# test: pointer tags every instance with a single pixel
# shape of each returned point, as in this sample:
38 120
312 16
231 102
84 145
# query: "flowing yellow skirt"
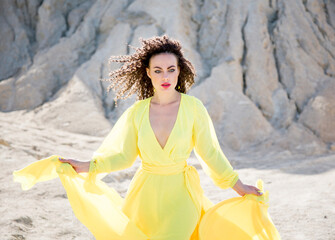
99 207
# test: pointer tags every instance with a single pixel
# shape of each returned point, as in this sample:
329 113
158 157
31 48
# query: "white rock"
237 120
319 114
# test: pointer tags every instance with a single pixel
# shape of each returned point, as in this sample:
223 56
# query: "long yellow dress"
165 200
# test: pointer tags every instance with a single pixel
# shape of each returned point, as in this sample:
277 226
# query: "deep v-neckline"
174 125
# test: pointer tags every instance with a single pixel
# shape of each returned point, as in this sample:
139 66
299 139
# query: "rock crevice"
272 62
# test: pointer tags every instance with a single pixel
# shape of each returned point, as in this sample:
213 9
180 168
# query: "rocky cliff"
265 68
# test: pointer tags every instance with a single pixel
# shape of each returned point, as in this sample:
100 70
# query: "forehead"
163 60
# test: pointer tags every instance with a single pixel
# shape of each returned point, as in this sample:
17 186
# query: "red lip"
166 85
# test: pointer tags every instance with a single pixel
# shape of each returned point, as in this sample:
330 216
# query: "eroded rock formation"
265 68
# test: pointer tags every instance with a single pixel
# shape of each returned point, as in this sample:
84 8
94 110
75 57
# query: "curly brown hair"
132 77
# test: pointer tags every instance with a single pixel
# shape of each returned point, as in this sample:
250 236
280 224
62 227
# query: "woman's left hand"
243 189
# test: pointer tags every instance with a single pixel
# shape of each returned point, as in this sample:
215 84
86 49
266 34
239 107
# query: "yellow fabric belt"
192 179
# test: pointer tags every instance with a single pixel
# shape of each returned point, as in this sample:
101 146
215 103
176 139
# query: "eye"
171 70
157 71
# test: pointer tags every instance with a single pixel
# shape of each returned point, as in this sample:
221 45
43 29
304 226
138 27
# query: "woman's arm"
118 150
207 148
78 166
243 189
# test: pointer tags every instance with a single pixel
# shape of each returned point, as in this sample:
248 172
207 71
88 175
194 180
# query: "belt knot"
192 179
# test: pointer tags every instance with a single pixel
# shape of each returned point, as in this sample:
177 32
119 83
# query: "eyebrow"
168 67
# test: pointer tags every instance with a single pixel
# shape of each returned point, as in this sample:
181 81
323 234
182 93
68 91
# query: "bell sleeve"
119 149
208 151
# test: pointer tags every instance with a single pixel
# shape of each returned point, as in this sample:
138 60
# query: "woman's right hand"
78 166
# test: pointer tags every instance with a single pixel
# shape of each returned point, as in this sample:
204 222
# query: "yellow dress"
165 200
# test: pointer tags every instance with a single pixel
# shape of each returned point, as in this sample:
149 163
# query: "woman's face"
163 71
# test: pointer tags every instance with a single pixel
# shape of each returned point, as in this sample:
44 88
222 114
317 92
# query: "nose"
165 75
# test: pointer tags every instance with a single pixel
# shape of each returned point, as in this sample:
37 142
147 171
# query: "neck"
165 98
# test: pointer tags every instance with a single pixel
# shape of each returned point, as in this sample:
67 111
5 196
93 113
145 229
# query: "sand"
302 188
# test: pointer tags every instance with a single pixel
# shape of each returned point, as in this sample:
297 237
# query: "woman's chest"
162 121
168 133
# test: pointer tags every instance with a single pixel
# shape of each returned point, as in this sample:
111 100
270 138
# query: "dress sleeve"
208 151
119 149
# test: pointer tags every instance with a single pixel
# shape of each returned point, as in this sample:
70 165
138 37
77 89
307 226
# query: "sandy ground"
302 188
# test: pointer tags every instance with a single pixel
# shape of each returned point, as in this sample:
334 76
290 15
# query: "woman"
165 200
160 75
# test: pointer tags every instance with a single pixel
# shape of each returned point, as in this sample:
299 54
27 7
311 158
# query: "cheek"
154 79
176 75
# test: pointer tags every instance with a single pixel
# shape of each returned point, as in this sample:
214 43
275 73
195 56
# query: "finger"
256 191
259 192
63 160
